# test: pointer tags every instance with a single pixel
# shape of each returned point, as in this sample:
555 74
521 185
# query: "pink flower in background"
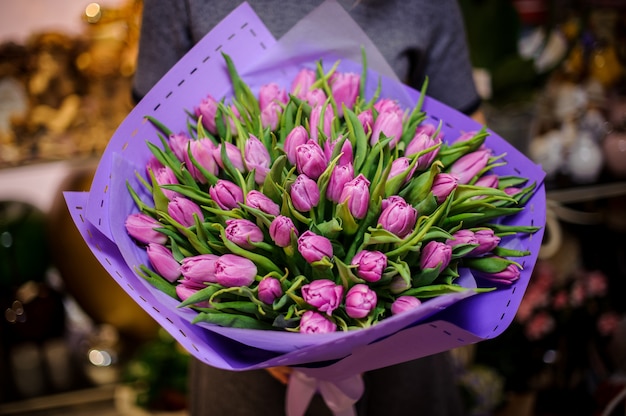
304 193
260 201
281 231
232 270
323 294
310 159
163 261
316 323
370 265
143 227
269 289
182 210
360 301
244 233
339 177
404 303
257 158
357 194
314 247
303 82
345 88
226 194
295 138
199 270
232 152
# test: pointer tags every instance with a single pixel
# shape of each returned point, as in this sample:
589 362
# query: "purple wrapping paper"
440 324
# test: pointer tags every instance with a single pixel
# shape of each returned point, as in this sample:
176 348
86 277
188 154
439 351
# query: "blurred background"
552 74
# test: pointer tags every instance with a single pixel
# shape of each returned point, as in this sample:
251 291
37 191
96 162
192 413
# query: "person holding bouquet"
418 39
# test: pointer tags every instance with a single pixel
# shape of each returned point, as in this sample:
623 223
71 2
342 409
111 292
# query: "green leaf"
157 281
231 320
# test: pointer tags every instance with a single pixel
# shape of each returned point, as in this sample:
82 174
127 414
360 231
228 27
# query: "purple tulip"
470 165
399 166
510 274
370 265
260 201
281 231
487 241
226 194
443 185
302 82
208 111
323 294
199 270
357 193
390 124
314 247
346 151
367 120
345 88
202 151
511 190
179 143
270 115
391 200
233 153
243 233
462 237
340 176
182 210
165 176
163 261
435 254
488 181
398 218
315 323
398 284
258 158
143 227
465 136
295 138
360 301
404 303
422 140
321 120
183 292
271 93
269 289
310 159
315 98
232 270
304 193
385 105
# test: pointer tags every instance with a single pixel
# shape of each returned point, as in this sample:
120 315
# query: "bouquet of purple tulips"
310 207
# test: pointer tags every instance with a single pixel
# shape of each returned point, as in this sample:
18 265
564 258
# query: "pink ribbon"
339 395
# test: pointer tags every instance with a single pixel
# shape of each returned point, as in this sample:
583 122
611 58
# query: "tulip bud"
281 231
270 115
302 83
304 193
183 292
401 165
360 301
404 303
398 218
357 193
233 153
165 176
510 274
315 323
345 88
487 241
422 140
466 136
470 165
389 124
315 97
488 181
321 120
295 138
153 165
367 120
163 261
391 200
243 233
202 151
226 194
310 159
182 210
208 111
462 237
370 265
435 254
323 294
143 227
314 247
398 285
232 270
199 270
443 185
269 289
258 158
340 176
346 151
271 93
385 105
260 201
178 143
511 190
